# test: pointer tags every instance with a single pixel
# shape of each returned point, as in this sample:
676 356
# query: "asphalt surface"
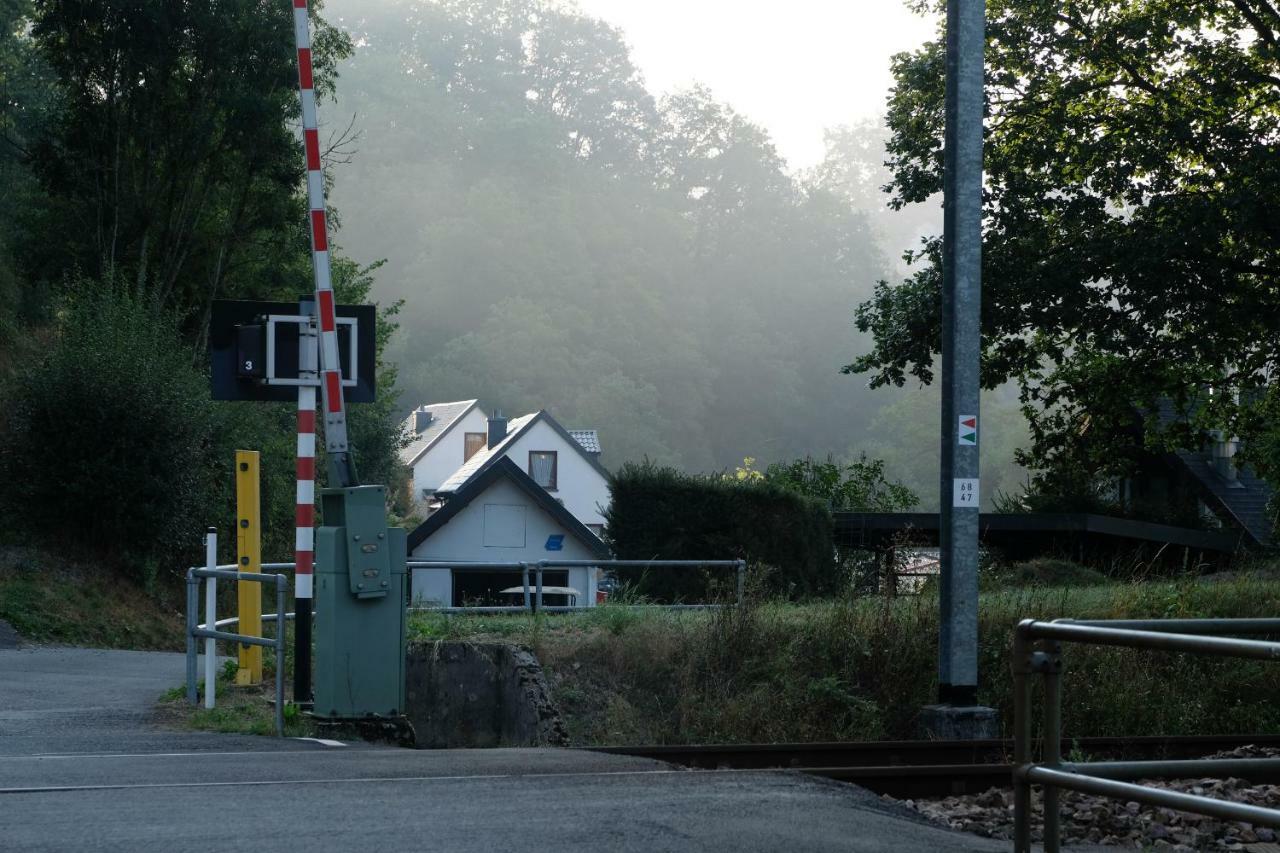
83 766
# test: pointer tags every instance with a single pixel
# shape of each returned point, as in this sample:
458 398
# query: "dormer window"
473 443
542 468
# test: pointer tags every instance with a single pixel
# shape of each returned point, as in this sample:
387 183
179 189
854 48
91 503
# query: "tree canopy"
1130 248
149 164
564 239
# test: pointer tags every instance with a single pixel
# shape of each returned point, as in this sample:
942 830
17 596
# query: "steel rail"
922 768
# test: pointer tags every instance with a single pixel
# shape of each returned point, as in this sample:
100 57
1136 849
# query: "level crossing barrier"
1037 649
211 573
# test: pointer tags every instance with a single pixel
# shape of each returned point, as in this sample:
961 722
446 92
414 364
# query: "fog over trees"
644 263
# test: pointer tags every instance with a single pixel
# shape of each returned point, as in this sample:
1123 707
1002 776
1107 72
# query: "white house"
553 457
499 514
442 437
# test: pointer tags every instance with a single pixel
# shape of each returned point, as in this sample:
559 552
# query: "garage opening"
481 589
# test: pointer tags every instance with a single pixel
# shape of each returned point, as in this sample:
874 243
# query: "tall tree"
1131 248
563 241
172 159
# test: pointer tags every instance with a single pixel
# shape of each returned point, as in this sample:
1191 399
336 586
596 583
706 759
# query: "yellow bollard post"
249 557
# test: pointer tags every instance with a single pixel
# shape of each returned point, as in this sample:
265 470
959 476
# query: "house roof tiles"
443 417
588 438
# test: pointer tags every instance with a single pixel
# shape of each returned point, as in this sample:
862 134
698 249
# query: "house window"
542 468
473 443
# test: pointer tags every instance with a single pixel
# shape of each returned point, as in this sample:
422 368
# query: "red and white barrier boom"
341 467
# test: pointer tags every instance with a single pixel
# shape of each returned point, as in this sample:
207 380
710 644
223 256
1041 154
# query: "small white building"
499 514
441 438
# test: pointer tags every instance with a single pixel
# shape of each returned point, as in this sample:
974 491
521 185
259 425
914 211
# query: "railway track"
927 768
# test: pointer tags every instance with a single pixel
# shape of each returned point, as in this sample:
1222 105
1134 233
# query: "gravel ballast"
1089 819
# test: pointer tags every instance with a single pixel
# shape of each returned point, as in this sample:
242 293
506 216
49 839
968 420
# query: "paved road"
83 767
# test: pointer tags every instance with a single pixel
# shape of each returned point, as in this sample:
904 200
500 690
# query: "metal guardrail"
1037 648
533 591
533 588
211 635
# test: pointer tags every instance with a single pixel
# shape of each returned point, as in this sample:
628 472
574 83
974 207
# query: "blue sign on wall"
555 542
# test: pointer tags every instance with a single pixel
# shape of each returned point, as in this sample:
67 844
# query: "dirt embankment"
50 599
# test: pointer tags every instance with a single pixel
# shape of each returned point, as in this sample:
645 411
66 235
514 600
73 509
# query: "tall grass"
862 669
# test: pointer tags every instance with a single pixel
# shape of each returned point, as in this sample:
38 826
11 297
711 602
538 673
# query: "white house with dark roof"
499 514
566 466
441 438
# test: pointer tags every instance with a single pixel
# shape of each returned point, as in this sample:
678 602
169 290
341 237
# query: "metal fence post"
280 638
1052 745
211 619
1021 740
192 599
539 573
742 580
524 579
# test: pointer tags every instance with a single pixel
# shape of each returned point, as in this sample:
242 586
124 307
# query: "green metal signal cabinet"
359 626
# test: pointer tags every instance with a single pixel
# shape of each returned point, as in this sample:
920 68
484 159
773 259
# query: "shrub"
859 486
1046 571
661 513
107 441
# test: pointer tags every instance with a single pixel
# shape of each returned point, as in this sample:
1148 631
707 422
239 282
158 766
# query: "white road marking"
186 754
52 789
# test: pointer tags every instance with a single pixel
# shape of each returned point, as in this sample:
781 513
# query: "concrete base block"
957 722
461 694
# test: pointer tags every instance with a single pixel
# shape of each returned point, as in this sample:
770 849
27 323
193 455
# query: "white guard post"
210 618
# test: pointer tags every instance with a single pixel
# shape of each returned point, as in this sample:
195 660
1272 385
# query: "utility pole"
960 494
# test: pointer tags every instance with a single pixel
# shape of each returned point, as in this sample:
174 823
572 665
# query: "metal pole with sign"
960 493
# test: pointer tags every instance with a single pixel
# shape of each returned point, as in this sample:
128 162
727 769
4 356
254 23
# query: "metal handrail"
1037 648
195 631
533 590
533 600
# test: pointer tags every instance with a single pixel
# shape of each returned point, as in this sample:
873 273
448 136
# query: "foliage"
683 293
858 486
49 598
661 513
171 156
1046 571
148 154
1129 252
108 439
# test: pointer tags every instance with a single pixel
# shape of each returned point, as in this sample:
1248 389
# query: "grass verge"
239 709
862 669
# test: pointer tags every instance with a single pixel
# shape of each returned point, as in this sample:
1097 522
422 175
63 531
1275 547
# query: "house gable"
582 482
485 521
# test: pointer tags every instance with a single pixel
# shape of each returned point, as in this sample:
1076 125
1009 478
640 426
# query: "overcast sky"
794 67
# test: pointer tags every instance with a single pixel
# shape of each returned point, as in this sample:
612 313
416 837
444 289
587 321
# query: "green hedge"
662 513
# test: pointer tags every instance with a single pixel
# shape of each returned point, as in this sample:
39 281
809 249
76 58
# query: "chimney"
497 428
421 419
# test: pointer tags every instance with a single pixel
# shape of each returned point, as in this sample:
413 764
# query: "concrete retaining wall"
479 695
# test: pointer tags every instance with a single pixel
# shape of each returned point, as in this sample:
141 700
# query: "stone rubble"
1088 819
